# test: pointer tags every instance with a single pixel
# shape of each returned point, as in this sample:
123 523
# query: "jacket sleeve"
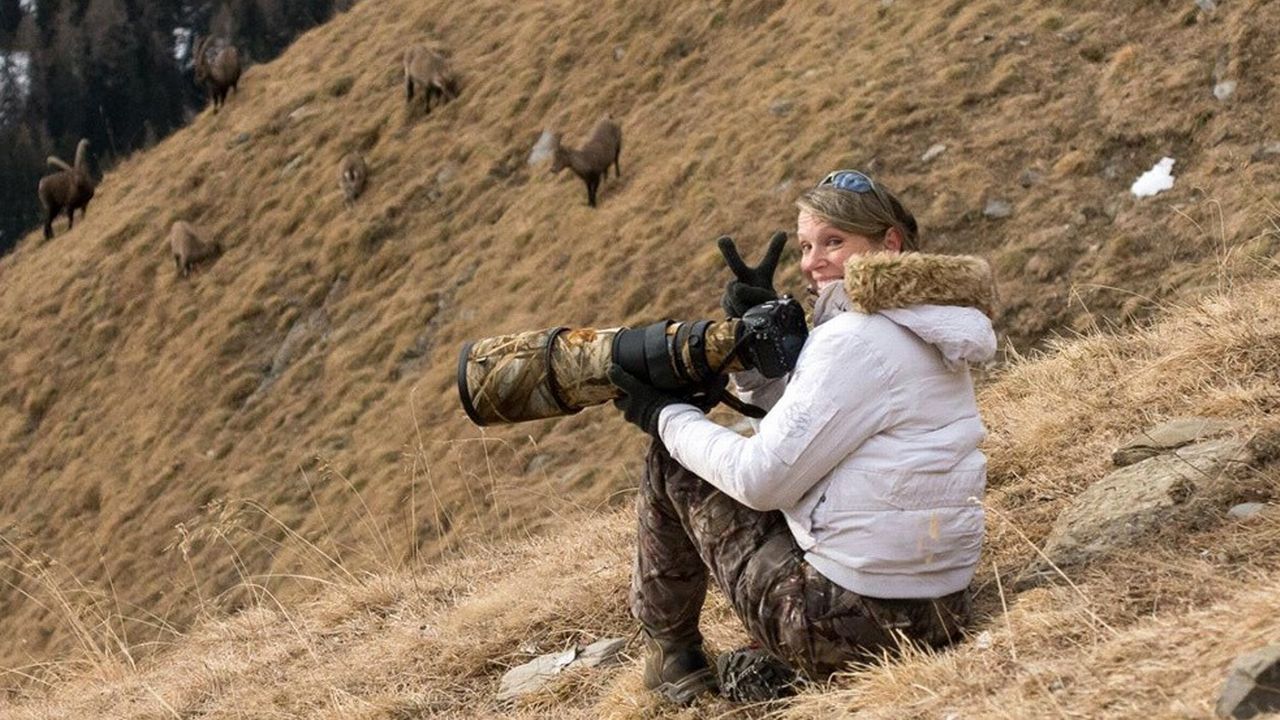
839 395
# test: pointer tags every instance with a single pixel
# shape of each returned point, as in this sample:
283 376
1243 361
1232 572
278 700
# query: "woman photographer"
851 520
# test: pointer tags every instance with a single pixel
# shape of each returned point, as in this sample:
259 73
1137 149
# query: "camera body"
557 372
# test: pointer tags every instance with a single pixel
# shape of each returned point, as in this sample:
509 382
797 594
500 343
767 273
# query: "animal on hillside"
353 173
429 71
591 161
189 248
70 189
219 75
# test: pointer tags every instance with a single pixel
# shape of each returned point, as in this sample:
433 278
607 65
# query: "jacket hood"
945 300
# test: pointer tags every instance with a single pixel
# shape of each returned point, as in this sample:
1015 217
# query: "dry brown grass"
294 400
1147 632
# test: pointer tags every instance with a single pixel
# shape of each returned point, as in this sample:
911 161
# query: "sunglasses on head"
850 180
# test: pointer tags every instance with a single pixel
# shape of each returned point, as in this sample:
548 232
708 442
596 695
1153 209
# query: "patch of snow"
181 44
1158 179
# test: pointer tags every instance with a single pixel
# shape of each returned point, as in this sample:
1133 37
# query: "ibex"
429 71
219 76
71 188
352 175
591 161
188 248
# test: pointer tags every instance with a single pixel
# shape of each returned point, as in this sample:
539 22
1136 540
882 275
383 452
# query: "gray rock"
1253 685
1030 177
1245 510
1132 502
1224 89
293 165
782 106
446 173
1207 5
997 209
1266 151
241 139
619 52
542 149
601 652
1168 436
933 152
535 674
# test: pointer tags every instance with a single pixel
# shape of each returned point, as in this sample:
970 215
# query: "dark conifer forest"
117 72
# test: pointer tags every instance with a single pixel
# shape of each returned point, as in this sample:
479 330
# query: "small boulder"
542 149
1245 510
1137 501
1168 436
1268 150
997 209
1225 89
535 674
933 152
1253 685
782 107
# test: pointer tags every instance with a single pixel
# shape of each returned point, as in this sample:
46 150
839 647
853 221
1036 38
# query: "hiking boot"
679 672
752 675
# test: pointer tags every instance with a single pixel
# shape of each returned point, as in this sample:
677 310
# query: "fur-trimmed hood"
894 280
945 300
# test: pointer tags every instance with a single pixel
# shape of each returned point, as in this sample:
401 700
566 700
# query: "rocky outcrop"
1253 685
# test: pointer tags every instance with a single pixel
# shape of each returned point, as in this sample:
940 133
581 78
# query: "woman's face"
824 248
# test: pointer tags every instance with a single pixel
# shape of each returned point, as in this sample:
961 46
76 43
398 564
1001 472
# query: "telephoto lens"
556 372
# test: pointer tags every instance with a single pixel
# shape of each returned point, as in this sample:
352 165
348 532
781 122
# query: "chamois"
188 248
219 76
352 175
431 72
70 189
591 161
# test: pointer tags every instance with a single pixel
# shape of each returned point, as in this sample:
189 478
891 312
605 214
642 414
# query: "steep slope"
162 441
1147 631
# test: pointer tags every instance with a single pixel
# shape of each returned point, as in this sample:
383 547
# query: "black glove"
753 285
642 403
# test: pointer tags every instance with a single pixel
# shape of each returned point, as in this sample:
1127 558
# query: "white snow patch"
181 43
1155 180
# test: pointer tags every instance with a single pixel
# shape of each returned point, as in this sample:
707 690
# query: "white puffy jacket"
871 450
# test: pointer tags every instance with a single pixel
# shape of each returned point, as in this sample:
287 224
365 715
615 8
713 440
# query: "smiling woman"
847 522
848 214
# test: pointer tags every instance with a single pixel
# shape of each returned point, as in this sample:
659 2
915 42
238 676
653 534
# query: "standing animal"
353 173
218 76
591 161
188 248
70 189
430 72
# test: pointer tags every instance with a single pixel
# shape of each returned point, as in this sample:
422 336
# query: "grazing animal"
189 248
591 161
218 76
429 71
352 175
70 189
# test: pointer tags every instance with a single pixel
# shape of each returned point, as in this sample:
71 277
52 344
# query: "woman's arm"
838 396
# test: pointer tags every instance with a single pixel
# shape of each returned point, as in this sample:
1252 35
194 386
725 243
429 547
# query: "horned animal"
188 248
70 189
218 76
429 71
352 175
591 161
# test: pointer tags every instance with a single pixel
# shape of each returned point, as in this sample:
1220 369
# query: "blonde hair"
869 213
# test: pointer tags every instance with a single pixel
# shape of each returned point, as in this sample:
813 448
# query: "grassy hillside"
1145 632
173 448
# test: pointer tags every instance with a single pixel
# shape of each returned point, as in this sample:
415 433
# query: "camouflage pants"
690 532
